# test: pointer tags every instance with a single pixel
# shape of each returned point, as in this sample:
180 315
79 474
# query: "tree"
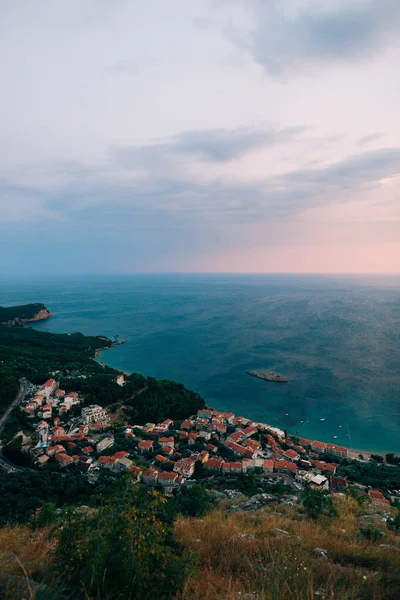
124 550
45 516
315 502
377 458
193 501
352 492
391 459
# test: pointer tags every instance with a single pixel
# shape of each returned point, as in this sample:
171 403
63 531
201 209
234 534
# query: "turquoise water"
335 338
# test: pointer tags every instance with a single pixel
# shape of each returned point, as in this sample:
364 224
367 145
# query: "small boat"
339 425
322 419
335 437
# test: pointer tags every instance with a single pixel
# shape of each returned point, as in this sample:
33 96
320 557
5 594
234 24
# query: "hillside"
32 354
140 544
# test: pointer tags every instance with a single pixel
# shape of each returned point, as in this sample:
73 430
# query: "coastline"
259 406
353 452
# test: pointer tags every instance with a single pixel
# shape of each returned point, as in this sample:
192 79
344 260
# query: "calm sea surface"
337 339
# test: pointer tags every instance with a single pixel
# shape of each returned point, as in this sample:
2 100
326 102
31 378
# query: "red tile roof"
304 442
48 384
167 476
121 454
330 467
166 440
317 444
235 437
215 463
240 449
161 458
292 454
268 464
106 460
285 464
376 494
63 457
145 444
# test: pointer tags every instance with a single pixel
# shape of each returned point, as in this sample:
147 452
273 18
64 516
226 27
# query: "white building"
48 388
120 380
94 414
318 482
104 444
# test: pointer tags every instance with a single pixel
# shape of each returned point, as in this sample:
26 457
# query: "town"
205 446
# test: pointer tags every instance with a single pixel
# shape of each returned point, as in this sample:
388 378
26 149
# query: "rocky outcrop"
267 376
41 315
255 503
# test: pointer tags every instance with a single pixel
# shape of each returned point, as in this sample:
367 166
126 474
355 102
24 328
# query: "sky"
221 135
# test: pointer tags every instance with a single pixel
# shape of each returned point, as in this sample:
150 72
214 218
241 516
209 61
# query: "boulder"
255 503
321 552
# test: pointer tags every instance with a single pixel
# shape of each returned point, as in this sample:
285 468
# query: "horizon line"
214 273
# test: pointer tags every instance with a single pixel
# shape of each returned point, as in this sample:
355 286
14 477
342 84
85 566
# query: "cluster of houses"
253 447
50 401
168 454
63 438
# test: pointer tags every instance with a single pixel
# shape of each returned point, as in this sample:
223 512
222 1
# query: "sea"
336 339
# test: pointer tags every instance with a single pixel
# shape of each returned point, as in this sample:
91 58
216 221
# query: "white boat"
322 419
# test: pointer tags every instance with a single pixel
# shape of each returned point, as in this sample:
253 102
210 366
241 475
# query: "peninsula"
26 313
267 375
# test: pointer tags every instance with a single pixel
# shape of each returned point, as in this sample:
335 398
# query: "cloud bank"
177 136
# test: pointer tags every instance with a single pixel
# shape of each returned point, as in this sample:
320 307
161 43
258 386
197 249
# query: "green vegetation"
193 501
377 458
14 452
123 550
134 543
34 355
163 399
375 475
23 492
317 502
391 459
25 311
371 533
142 399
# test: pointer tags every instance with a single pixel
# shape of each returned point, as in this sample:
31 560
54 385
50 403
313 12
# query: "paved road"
20 397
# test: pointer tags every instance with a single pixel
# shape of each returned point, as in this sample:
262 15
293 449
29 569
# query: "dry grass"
241 556
24 555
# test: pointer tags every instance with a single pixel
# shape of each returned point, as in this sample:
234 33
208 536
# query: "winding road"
23 390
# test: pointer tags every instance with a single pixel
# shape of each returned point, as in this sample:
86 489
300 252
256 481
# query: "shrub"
194 501
371 533
315 502
123 550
